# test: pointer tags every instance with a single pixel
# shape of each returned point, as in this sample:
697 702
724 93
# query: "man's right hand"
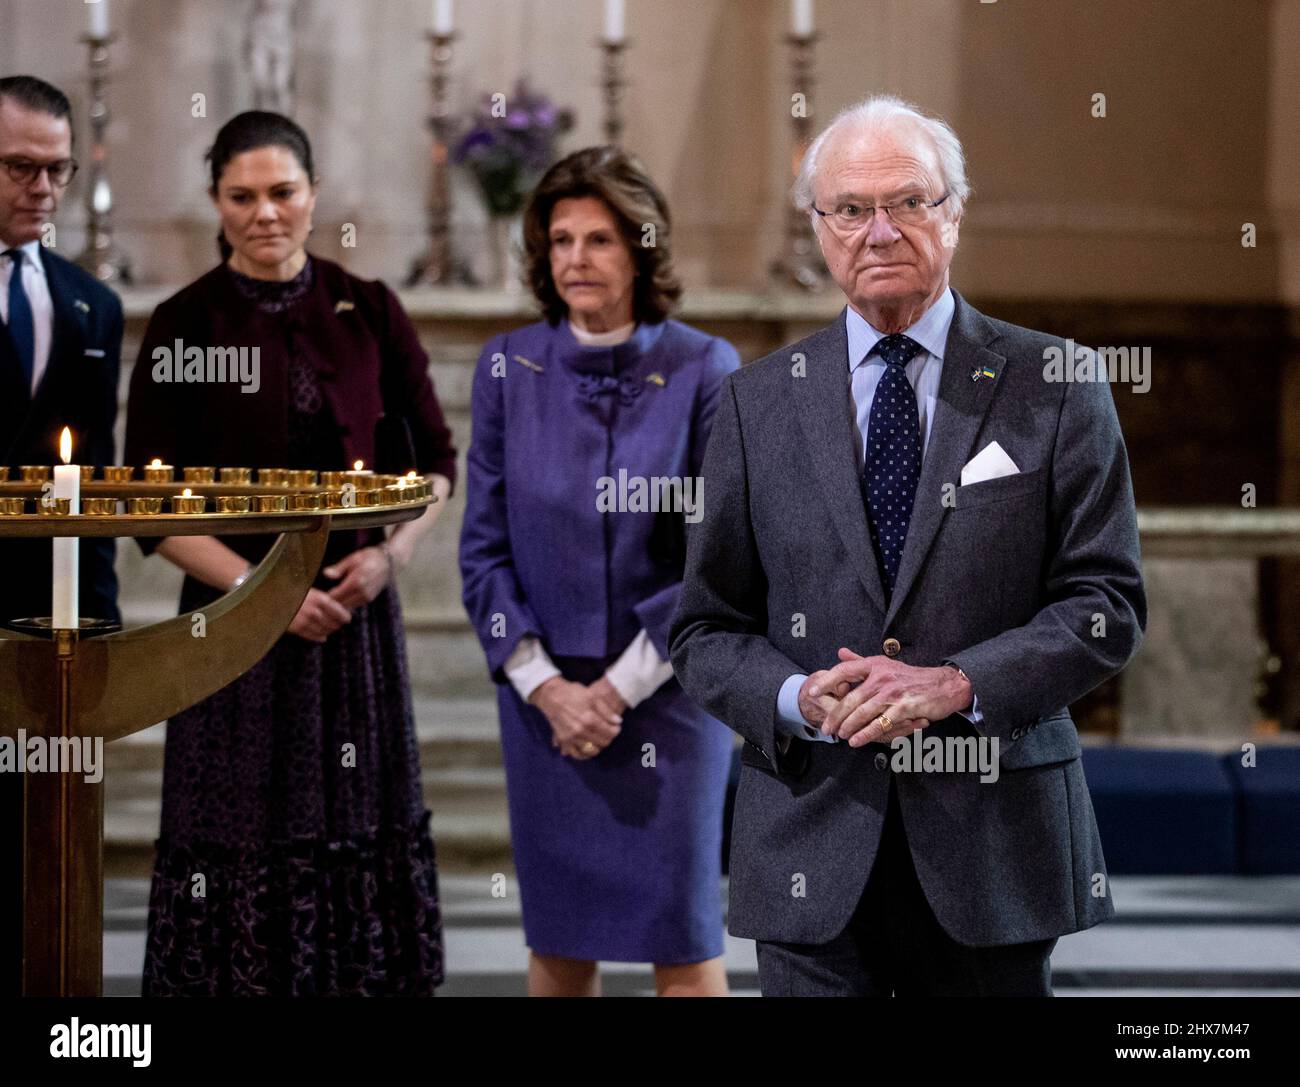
815 709
319 616
577 717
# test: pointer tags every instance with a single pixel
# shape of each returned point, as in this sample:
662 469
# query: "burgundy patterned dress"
295 856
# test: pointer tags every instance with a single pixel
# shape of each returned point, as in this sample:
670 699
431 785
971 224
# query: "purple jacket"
556 427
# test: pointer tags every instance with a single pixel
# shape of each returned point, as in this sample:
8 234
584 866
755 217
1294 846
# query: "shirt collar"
930 331
32 251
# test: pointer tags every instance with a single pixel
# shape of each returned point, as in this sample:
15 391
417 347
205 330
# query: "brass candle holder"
87 473
189 503
99 507
306 501
117 473
273 477
54 507
4 473
236 475
233 503
13 507
199 475
34 473
301 477
144 507
333 479
271 503
157 472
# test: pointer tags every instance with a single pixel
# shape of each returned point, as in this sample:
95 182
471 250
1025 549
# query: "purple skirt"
295 856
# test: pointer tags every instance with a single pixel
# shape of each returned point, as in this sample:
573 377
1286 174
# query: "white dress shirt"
639 671
38 295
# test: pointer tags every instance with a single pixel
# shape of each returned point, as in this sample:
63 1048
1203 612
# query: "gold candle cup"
117 473
199 475
34 473
144 507
331 500
272 503
4 473
236 475
189 503
87 473
305 502
54 507
13 507
159 473
333 479
233 503
371 497
302 477
273 477
99 507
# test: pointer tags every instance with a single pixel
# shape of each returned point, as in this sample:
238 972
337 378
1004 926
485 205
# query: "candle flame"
156 462
65 445
187 493
410 475
357 465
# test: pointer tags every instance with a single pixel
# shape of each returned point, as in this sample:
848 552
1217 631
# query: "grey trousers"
894 946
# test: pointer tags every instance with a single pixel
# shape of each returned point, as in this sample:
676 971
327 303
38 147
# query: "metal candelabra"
100 257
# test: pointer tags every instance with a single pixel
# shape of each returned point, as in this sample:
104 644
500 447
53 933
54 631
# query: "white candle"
67 484
443 23
615 31
98 11
801 18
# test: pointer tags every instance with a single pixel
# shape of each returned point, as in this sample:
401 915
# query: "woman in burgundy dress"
295 791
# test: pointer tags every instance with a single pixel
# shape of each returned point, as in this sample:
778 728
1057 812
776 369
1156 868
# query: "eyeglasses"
909 211
24 171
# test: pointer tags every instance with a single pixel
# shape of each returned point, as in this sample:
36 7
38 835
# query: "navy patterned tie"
893 456
22 328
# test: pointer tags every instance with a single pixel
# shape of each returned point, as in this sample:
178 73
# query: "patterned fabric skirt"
295 856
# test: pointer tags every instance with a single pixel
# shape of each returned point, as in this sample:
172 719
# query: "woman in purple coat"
589 430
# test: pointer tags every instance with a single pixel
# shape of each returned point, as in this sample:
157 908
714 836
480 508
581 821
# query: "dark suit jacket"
78 390
1006 583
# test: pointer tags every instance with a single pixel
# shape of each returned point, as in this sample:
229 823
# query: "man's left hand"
911 697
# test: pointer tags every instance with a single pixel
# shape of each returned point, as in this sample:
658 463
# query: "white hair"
879 112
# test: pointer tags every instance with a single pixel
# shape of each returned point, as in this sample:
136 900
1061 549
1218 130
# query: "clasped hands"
584 719
848 700
362 576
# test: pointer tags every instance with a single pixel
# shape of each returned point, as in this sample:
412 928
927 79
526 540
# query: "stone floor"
1173 936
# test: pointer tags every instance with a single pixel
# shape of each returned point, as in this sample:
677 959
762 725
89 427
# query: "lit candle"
360 474
157 472
443 23
801 18
98 10
615 30
67 484
189 502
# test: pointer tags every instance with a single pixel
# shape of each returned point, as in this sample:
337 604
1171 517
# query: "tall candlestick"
98 12
443 21
801 18
67 484
615 29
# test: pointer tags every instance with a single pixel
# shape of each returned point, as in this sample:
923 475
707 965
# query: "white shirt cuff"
529 666
639 671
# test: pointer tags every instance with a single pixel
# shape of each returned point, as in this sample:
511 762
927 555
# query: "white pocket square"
93 353
991 462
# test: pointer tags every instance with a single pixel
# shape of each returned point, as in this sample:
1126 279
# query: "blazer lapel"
959 413
825 400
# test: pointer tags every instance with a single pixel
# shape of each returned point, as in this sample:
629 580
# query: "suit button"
881 760
891 647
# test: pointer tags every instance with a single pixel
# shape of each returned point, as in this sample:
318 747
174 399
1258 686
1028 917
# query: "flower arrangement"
509 144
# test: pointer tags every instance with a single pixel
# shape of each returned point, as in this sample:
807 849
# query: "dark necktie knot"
898 350
15 255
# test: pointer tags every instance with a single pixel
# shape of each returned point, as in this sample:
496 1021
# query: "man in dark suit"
912 537
60 341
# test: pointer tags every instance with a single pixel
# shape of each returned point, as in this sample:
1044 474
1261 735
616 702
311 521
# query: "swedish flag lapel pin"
981 371
344 306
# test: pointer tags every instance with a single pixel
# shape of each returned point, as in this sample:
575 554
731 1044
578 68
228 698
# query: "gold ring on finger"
885 723
589 748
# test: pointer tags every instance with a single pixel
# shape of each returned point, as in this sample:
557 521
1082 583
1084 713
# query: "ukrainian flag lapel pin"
981 371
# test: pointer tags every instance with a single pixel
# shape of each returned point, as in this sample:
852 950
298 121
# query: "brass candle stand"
73 684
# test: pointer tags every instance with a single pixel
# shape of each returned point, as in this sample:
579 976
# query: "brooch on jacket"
980 372
530 364
79 304
344 306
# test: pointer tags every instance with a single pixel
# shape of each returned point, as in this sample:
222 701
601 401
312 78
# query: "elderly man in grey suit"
917 550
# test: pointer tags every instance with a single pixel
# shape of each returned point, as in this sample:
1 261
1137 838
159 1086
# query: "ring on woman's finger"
589 748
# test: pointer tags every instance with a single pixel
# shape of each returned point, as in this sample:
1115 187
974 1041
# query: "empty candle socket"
87 473
236 475
301 477
272 503
117 473
54 507
273 477
13 507
305 502
333 479
144 507
233 503
34 473
200 475
99 507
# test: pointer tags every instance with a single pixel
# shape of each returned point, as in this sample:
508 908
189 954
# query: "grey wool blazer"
1031 583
